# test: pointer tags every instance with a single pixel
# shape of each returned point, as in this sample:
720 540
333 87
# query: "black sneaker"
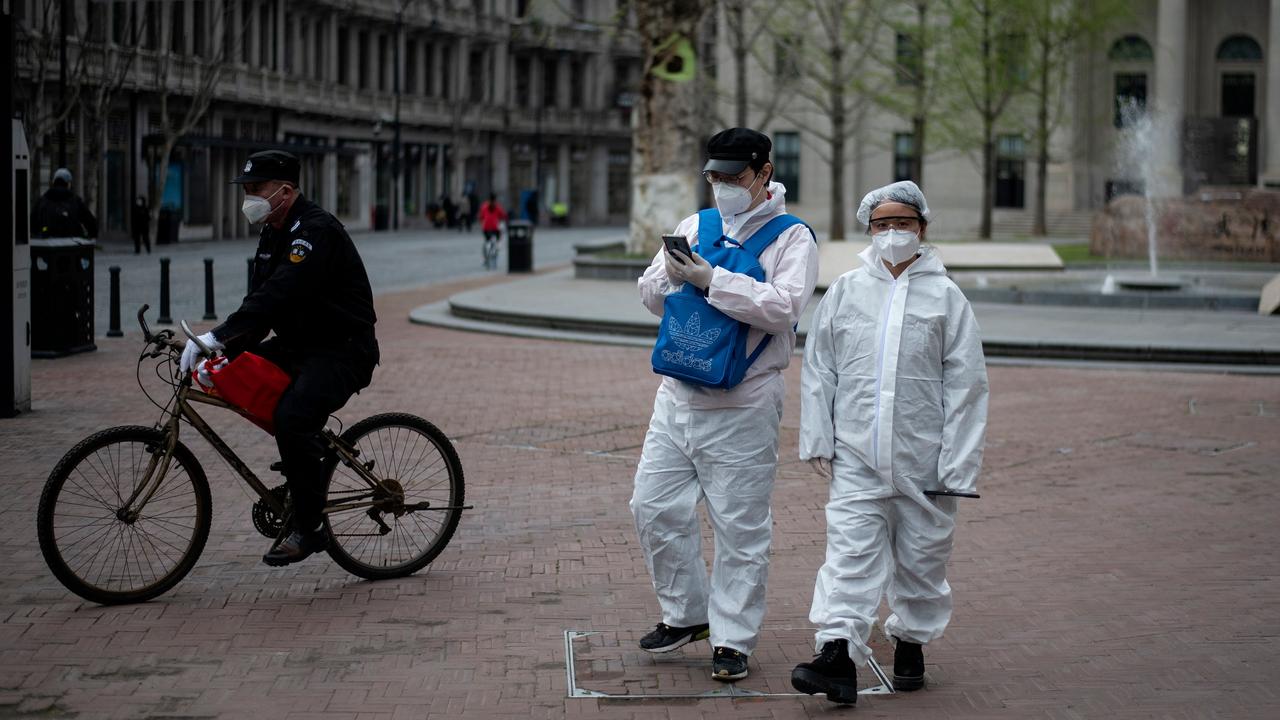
908 666
728 665
665 638
832 672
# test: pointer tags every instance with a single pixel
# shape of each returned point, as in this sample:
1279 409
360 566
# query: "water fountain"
1146 141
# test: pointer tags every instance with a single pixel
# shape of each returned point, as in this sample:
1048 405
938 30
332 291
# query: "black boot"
908 666
832 672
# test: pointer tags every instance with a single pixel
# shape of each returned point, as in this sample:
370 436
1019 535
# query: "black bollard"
208 290
249 283
114 330
164 318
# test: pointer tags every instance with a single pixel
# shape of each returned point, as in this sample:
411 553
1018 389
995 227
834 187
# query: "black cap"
730 151
270 165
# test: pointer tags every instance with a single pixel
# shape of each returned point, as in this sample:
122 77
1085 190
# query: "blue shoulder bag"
696 342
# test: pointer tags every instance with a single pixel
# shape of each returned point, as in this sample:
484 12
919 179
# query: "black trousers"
323 381
140 238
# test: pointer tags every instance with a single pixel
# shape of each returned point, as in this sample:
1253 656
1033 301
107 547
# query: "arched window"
1239 47
1130 47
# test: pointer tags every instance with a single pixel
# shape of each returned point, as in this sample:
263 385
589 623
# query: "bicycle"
125 513
492 240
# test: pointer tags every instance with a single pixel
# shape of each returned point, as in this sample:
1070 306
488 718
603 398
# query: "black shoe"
908 666
665 638
728 665
295 548
832 672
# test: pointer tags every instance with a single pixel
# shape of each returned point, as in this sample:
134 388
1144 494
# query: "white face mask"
256 209
896 246
732 199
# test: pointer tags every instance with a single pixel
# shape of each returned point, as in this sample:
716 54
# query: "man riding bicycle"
310 288
491 218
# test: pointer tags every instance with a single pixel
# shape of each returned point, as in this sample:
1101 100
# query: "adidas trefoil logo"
690 336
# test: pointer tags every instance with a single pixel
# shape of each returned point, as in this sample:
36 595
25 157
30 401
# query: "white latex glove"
191 353
674 273
822 466
203 377
695 270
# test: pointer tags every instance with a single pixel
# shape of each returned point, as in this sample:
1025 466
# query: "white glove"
191 353
822 466
695 270
203 376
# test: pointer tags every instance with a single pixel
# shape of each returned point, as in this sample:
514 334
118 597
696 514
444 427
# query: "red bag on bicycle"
253 384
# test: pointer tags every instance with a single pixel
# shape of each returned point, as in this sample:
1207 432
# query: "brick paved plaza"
1122 561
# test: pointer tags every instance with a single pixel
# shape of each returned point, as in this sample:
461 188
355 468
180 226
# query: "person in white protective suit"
722 445
893 404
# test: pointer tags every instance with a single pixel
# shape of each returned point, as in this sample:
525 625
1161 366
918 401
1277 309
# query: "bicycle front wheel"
400 533
108 553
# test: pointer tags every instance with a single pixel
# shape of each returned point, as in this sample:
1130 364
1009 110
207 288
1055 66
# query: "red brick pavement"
1120 564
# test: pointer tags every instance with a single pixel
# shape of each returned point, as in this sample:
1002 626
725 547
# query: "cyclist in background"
491 218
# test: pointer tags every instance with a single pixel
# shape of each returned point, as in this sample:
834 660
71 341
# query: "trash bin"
61 296
167 227
519 246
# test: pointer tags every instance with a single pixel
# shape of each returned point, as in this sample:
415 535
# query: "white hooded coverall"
894 392
722 445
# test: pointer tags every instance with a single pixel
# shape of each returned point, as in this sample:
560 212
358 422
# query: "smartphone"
677 244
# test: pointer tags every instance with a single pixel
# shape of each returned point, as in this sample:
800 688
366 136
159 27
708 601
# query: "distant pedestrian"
141 225
61 213
466 213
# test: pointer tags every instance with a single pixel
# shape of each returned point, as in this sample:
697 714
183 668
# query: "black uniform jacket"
309 286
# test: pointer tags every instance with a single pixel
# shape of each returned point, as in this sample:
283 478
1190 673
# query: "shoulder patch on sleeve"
298 250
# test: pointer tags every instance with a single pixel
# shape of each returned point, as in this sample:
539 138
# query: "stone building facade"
508 96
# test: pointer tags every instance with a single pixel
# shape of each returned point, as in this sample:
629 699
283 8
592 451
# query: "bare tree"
908 73
831 67
987 69
111 63
194 77
1058 28
747 25
666 125
43 110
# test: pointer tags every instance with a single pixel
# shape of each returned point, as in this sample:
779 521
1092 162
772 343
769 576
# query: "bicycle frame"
185 399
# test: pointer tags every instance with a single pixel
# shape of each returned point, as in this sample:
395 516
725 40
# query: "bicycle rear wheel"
406 530
104 554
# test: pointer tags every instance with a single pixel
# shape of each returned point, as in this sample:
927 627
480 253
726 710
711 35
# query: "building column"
500 64
1170 96
330 201
562 82
562 177
1271 123
499 168
599 202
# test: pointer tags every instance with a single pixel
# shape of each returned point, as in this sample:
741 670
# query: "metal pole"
208 290
64 22
114 329
397 195
164 318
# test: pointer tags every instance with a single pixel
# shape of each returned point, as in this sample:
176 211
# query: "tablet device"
950 493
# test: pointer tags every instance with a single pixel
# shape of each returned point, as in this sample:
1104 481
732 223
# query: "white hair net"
903 191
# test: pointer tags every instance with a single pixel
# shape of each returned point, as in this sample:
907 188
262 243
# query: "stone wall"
1225 224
